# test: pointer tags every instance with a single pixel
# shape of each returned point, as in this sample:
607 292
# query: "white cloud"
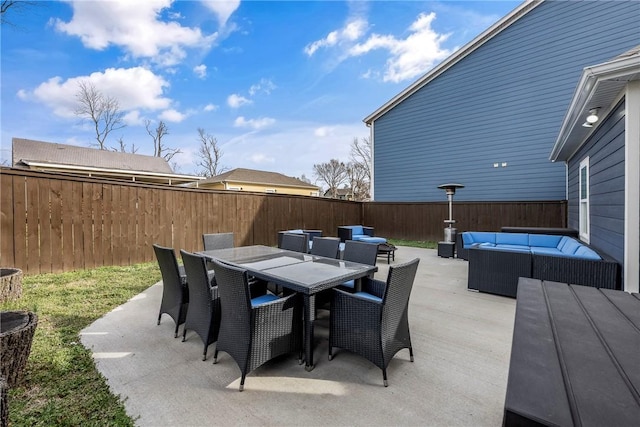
323 131
200 71
132 118
237 101
353 30
254 123
410 57
135 27
210 107
222 8
134 88
172 115
265 85
261 159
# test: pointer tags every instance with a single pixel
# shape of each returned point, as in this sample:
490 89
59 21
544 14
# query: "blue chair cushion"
510 248
295 231
262 299
368 296
348 284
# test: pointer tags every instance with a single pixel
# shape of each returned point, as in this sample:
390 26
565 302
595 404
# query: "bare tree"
15 7
333 173
210 155
361 155
122 147
357 177
102 111
159 148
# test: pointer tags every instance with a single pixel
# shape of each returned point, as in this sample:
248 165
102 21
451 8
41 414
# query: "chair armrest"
368 231
345 233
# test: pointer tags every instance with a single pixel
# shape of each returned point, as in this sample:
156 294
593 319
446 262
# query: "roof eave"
460 54
618 73
90 169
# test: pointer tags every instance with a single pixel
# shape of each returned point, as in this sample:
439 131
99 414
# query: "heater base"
446 249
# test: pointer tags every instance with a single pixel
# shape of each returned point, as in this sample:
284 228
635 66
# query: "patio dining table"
302 273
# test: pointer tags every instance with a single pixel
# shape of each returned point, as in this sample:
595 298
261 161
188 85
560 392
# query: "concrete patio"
461 341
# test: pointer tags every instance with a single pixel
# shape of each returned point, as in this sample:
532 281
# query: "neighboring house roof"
600 87
456 57
252 176
90 161
341 192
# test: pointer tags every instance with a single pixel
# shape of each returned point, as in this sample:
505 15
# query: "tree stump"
16 333
10 284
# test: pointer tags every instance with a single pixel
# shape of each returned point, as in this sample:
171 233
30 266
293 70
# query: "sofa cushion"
542 250
569 246
295 231
520 239
544 240
587 253
471 237
370 239
508 248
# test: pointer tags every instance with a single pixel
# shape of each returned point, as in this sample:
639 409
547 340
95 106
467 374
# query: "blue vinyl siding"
606 174
502 103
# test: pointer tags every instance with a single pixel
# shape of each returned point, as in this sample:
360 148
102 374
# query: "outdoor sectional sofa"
497 260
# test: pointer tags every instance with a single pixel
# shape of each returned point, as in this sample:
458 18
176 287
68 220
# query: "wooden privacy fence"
52 223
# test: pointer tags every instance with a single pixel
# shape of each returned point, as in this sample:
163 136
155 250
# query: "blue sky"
282 85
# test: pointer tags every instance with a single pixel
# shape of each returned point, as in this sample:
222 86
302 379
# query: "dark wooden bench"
574 357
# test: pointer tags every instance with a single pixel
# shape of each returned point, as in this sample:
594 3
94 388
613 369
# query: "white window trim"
584 218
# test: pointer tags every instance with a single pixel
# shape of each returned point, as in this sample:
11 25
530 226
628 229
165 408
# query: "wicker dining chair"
374 323
254 331
175 294
325 246
203 316
361 252
295 242
217 241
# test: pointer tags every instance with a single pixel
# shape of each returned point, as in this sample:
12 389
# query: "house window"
584 200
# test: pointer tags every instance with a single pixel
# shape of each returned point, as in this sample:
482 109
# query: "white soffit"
600 87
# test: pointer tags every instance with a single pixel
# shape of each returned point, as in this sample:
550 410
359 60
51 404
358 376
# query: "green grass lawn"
426 244
61 385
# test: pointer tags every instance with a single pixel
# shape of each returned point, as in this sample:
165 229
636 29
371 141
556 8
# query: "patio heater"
446 248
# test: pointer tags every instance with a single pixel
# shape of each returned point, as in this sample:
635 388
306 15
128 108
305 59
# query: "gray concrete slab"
461 339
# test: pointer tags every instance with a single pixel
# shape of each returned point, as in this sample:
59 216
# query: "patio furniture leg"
309 317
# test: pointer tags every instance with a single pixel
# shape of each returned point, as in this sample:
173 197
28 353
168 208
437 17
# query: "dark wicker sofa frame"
497 271
346 233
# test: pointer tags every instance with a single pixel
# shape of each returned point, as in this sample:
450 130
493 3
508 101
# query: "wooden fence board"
58 248
7 243
75 205
19 222
33 232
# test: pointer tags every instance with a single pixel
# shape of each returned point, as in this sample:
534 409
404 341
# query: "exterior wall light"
593 116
